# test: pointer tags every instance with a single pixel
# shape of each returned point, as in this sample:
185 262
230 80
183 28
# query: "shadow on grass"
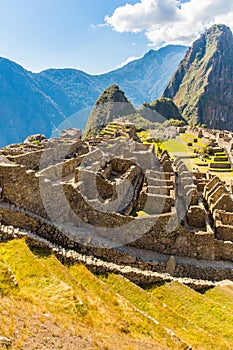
39 251
147 287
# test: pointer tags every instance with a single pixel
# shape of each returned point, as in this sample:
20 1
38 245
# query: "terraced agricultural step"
168 315
98 266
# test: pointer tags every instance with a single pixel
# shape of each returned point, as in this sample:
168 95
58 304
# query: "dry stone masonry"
114 199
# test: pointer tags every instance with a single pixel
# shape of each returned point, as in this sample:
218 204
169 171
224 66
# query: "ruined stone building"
117 200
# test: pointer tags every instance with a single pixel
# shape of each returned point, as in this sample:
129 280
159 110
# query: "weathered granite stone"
36 137
171 266
72 134
196 216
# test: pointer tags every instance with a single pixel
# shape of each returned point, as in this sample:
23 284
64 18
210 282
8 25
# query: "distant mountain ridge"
202 86
40 102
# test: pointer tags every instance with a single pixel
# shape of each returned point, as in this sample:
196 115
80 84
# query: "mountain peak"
111 104
34 103
112 94
219 29
202 84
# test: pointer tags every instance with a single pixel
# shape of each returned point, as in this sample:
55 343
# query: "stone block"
225 202
171 266
224 232
216 193
167 166
196 216
210 185
72 134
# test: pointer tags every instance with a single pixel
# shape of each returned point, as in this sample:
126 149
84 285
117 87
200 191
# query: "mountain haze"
24 107
38 103
202 86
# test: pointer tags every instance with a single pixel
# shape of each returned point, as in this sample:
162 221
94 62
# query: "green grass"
167 304
222 295
190 138
142 213
36 283
36 142
208 314
200 163
173 146
114 312
221 162
178 147
143 135
73 296
6 284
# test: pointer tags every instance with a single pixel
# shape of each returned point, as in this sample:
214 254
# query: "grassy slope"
56 306
70 305
202 310
193 317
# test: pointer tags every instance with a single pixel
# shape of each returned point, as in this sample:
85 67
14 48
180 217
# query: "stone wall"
29 222
105 189
177 240
60 170
87 213
219 165
224 225
31 160
21 187
144 273
223 250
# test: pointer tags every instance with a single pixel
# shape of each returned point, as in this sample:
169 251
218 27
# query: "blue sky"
98 35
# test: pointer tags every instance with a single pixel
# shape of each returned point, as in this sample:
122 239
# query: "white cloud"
95 26
171 21
128 60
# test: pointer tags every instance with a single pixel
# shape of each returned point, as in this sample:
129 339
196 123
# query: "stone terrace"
100 196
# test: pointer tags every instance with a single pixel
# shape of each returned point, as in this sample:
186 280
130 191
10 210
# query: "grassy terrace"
168 304
112 128
180 147
67 307
61 307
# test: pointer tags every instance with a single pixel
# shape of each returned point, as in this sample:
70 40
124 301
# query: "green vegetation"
165 107
67 303
173 122
140 213
219 162
195 87
36 142
200 155
73 306
6 284
168 304
174 146
140 122
211 316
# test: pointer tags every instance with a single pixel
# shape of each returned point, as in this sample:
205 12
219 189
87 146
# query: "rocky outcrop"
202 85
160 110
111 104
